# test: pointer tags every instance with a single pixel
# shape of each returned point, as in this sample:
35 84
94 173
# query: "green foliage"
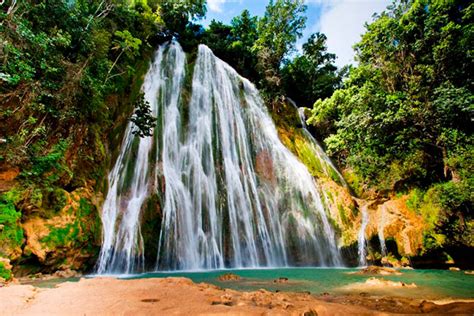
48 168
278 30
11 234
142 118
403 116
4 272
447 211
312 75
177 16
257 48
402 121
233 43
62 60
83 232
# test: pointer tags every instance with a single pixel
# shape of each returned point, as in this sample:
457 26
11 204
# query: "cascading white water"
361 240
129 185
383 246
328 166
231 194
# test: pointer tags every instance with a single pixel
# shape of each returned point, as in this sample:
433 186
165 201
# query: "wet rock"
264 166
371 270
225 299
391 262
229 277
6 263
310 312
68 273
64 238
8 177
281 280
426 307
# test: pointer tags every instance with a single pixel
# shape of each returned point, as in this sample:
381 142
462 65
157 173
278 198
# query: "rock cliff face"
68 239
45 239
395 220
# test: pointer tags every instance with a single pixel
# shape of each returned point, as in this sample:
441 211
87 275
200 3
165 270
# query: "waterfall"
231 194
383 246
328 166
361 241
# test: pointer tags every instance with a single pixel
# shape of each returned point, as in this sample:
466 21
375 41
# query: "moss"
354 210
354 181
36 197
308 158
55 200
130 165
342 214
61 236
5 273
329 195
333 174
85 208
11 233
414 200
83 232
150 228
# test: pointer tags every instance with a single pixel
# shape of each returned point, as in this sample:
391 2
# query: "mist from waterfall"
231 194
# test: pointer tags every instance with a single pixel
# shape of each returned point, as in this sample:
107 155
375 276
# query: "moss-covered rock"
150 228
11 232
5 269
68 239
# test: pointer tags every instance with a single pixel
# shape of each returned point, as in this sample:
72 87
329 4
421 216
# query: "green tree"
404 117
142 118
233 43
125 43
244 35
312 75
278 31
178 14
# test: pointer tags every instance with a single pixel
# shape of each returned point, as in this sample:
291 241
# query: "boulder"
375 270
229 277
281 280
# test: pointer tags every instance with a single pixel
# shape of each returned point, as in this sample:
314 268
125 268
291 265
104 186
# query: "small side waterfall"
328 165
383 246
361 240
231 194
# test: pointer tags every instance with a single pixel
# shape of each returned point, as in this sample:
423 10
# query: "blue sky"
341 20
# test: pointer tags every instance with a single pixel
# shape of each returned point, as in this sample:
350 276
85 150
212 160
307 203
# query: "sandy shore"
180 296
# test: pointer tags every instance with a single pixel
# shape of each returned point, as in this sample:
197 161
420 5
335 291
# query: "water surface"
431 284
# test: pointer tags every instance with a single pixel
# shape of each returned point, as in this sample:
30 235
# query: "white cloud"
215 5
343 23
